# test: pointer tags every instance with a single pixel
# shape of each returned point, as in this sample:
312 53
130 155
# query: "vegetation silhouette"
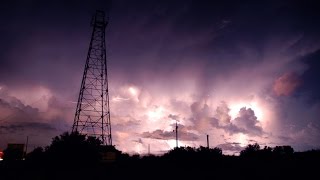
76 156
253 151
73 149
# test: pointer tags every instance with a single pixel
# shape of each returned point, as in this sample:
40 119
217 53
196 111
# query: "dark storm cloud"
15 127
309 78
56 35
251 24
17 114
174 117
166 135
15 109
12 103
18 120
129 123
44 42
165 47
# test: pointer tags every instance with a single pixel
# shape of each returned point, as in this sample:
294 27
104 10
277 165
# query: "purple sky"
242 72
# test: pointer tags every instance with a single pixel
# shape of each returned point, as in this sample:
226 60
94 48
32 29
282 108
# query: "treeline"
78 148
75 156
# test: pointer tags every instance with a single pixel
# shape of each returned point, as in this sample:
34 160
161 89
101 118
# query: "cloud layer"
239 72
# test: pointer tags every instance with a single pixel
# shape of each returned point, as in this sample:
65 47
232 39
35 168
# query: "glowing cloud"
236 107
156 113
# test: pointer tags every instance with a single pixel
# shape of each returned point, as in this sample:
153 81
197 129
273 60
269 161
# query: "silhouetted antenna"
27 145
208 141
176 134
92 115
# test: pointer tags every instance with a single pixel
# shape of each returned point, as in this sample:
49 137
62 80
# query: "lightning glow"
155 113
235 108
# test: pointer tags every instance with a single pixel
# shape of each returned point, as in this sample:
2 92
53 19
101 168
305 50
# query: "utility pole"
208 141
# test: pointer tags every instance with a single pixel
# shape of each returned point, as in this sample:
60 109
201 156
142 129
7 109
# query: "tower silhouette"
92 116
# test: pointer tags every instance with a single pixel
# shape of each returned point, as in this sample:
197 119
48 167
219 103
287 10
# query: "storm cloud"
234 70
286 84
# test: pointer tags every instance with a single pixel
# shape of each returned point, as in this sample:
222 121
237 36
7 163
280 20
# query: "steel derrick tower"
92 116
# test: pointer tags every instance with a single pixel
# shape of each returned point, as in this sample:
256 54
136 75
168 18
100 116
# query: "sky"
241 72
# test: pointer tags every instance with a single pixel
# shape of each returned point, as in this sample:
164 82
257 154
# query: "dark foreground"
77 157
298 166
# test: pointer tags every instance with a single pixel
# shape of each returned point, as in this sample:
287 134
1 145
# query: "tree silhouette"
251 150
266 152
215 151
75 149
283 151
186 155
288 150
